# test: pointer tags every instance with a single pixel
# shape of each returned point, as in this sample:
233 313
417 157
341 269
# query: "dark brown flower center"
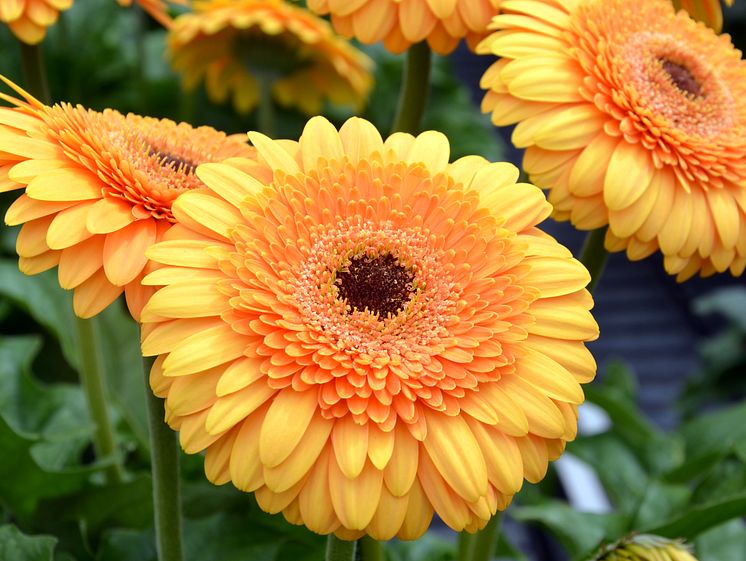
380 284
178 163
682 77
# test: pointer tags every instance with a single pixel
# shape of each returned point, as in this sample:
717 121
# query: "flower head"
362 333
401 24
235 45
645 547
631 115
158 9
708 11
98 189
29 20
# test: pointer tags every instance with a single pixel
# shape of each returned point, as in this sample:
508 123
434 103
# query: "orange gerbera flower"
235 45
29 19
362 333
442 23
631 115
98 191
158 9
708 11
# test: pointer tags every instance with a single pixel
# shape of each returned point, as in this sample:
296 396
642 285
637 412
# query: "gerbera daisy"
401 24
646 547
29 19
98 191
238 46
363 334
631 115
158 9
708 11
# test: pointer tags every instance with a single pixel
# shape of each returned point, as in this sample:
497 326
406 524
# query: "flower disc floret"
362 333
98 189
633 116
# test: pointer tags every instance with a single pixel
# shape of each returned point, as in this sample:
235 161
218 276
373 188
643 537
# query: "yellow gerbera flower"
29 19
631 115
361 333
708 11
98 189
442 23
235 44
158 9
646 547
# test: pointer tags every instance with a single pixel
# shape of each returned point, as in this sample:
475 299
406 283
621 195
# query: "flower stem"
164 454
92 379
370 549
594 255
413 96
465 546
266 109
34 75
339 550
485 541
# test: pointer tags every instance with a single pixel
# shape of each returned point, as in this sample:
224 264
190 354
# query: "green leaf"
43 428
41 296
701 518
726 542
660 502
719 431
430 547
16 546
621 473
579 532
127 545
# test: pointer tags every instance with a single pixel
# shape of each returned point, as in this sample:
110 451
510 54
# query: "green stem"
92 379
594 256
465 546
413 95
339 550
34 75
370 549
485 541
266 109
164 453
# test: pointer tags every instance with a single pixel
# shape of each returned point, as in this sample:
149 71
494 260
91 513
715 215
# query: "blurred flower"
708 11
235 45
362 333
98 189
633 116
158 9
400 24
29 19
645 547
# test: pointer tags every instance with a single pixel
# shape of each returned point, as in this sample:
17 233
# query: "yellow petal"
456 454
401 470
286 421
350 443
203 350
355 500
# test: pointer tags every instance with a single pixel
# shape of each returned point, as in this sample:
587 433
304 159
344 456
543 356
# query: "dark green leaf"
701 518
16 546
429 547
579 532
127 545
719 431
726 542
660 502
